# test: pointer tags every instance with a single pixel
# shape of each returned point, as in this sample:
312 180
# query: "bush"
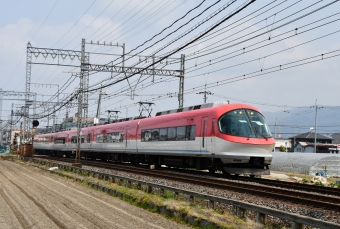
304 180
318 183
282 149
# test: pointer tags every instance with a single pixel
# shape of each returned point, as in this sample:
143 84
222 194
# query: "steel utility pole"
205 95
275 133
84 70
181 83
10 131
316 113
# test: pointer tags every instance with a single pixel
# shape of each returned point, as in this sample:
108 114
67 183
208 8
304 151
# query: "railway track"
310 196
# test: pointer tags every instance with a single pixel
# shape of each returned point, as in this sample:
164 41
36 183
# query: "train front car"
244 142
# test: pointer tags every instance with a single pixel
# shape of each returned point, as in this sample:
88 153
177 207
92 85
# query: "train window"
146 135
155 134
89 138
191 132
245 123
259 124
171 134
101 138
59 141
181 133
163 134
236 123
115 137
74 139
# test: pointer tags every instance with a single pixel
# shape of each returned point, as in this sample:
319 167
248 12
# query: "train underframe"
252 168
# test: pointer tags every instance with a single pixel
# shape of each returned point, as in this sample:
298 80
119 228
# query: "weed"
331 185
319 183
304 180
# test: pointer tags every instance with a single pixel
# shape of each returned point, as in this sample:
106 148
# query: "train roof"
196 107
173 111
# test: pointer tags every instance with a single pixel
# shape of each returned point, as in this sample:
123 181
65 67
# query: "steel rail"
298 197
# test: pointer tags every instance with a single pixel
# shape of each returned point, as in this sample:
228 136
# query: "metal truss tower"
60 54
27 90
27 100
84 74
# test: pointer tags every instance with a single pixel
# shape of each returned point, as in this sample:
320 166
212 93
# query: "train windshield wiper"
260 134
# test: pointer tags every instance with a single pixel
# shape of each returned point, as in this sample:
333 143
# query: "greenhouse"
307 163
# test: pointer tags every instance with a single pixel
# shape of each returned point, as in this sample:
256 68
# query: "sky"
275 55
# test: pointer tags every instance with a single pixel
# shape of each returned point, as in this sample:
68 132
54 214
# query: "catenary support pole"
315 132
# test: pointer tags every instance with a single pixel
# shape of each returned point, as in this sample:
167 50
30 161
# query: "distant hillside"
288 122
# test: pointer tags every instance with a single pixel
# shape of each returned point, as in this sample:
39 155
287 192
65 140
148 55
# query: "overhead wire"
149 16
180 48
270 54
235 79
106 7
243 41
212 28
74 24
9 79
272 24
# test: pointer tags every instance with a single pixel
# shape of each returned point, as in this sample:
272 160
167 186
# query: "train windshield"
245 123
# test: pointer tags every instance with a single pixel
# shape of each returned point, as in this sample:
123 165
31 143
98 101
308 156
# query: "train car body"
233 138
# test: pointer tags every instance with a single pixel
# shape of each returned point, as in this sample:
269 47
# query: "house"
336 138
286 142
305 142
308 147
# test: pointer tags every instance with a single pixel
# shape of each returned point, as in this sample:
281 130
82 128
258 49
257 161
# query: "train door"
204 145
90 137
126 134
67 143
212 137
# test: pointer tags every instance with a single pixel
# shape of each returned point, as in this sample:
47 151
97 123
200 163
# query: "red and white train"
233 138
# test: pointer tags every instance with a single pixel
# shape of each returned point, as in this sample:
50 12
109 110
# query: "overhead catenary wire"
106 7
268 55
178 49
243 76
74 24
205 20
16 68
275 28
113 17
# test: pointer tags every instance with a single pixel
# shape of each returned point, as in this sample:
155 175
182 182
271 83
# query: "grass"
307 178
175 208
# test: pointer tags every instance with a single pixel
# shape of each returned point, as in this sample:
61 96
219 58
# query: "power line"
74 23
31 39
178 49
91 22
